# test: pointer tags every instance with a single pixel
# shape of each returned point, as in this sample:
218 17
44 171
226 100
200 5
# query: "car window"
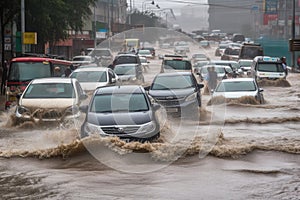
125 70
177 64
125 60
49 90
90 76
270 67
236 86
172 82
119 103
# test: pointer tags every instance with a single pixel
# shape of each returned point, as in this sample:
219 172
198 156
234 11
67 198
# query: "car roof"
179 73
127 89
238 80
223 61
127 64
53 80
91 69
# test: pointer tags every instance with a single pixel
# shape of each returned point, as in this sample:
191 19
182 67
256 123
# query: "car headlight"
147 128
23 110
191 97
133 78
90 129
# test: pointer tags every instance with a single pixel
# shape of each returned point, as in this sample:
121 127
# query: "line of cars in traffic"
121 106
115 109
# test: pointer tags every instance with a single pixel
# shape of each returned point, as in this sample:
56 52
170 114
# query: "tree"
9 9
52 19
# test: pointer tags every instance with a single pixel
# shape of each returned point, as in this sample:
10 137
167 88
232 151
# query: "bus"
24 69
131 43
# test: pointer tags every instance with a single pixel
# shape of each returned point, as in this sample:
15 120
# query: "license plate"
172 109
12 98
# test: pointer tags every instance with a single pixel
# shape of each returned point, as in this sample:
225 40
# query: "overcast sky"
176 5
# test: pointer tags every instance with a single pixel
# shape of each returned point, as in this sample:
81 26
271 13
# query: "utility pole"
293 33
22 25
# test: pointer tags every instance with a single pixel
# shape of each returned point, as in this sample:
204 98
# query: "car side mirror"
147 88
83 96
83 108
261 90
113 80
156 106
200 85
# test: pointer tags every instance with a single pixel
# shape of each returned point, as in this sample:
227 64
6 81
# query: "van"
250 51
237 37
266 67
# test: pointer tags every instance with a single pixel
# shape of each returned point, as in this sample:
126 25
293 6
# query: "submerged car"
92 77
239 87
222 71
130 73
50 100
178 92
123 111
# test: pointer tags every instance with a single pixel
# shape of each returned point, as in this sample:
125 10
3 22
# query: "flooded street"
236 151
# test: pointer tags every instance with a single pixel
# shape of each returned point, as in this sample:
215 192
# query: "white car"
50 100
81 60
145 53
92 77
245 66
239 87
221 70
144 62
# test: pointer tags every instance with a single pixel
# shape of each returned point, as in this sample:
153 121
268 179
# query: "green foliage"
52 19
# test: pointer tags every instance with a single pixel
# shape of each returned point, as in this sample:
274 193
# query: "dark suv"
126 59
124 111
178 92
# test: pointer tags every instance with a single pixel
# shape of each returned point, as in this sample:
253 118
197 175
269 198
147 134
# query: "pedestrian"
4 76
298 62
284 65
82 52
57 72
67 73
211 78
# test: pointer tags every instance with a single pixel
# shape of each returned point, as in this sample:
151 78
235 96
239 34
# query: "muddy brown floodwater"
237 150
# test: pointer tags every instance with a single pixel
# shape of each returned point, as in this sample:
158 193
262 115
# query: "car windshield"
50 90
219 70
143 60
199 56
125 70
90 76
26 71
126 60
245 63
270 67
82 59
236 86
177 64
172 82
119 103
144 52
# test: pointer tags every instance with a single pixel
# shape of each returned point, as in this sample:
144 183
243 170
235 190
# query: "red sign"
270 17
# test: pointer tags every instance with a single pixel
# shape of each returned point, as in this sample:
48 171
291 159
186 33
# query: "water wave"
163 150
275 83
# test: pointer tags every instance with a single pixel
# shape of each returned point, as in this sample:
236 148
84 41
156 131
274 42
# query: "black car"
123 111
125 59
178 92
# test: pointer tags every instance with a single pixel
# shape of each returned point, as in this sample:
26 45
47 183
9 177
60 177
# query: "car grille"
169 102
112 130
52 114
